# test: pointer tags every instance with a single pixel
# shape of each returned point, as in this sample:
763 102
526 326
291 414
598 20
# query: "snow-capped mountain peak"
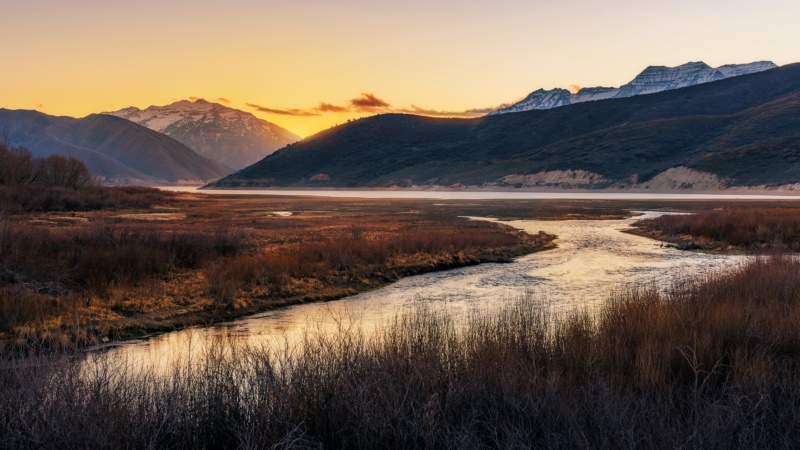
233 137
661 78
735 70
542 99
651 80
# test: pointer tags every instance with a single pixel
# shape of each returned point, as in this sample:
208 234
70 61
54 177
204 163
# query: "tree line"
19 167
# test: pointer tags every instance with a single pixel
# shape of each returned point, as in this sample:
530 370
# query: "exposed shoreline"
291 251
151 327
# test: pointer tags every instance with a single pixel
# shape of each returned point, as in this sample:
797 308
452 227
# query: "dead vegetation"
82 278
750 229
712 364
61 183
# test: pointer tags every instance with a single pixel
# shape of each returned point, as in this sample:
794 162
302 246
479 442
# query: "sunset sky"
307 64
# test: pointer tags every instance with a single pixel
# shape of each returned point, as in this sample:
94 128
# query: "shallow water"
593 258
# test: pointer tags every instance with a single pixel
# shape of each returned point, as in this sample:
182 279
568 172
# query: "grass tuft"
712 364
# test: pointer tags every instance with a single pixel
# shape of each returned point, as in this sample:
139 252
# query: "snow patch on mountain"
660 78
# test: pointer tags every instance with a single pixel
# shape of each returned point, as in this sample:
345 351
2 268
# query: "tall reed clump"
777 228
713 364
105 253
19 199
47 275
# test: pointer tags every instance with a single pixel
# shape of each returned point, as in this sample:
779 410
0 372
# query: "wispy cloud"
194 99
368 102
328 108
224 100
38 105
283 112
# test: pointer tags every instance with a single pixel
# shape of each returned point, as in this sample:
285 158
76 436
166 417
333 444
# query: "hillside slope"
233 137
117 150
744 130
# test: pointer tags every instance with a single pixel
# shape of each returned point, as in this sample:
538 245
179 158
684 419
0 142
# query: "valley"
323 225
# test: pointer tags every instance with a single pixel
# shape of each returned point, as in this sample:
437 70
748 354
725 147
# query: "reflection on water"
593 257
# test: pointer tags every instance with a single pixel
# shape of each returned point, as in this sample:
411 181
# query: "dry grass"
113 274
714 364
742 228
20 199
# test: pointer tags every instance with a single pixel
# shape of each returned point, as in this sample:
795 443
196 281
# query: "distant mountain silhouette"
115 149
744 130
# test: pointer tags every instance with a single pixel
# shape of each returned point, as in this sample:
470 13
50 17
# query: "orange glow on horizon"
83 57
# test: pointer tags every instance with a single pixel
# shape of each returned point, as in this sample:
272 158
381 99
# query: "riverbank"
710 364
76 279
79 278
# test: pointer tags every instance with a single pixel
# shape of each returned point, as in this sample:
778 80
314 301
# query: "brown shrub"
777 228
63 171
712 364
228 276
16 165
20 307
38 198
105 254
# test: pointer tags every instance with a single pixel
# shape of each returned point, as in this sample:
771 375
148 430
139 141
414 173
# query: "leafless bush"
63 171
16 165
39 198
710 365
104 254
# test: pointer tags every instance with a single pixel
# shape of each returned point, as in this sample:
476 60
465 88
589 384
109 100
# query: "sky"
307 65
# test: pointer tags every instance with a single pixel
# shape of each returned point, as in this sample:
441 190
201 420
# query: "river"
593 258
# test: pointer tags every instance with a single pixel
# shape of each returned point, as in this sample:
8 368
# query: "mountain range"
117 150
230 136
738 131
652 80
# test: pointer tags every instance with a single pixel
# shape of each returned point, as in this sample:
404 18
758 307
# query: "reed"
711 364
748 228
97 272
22 199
